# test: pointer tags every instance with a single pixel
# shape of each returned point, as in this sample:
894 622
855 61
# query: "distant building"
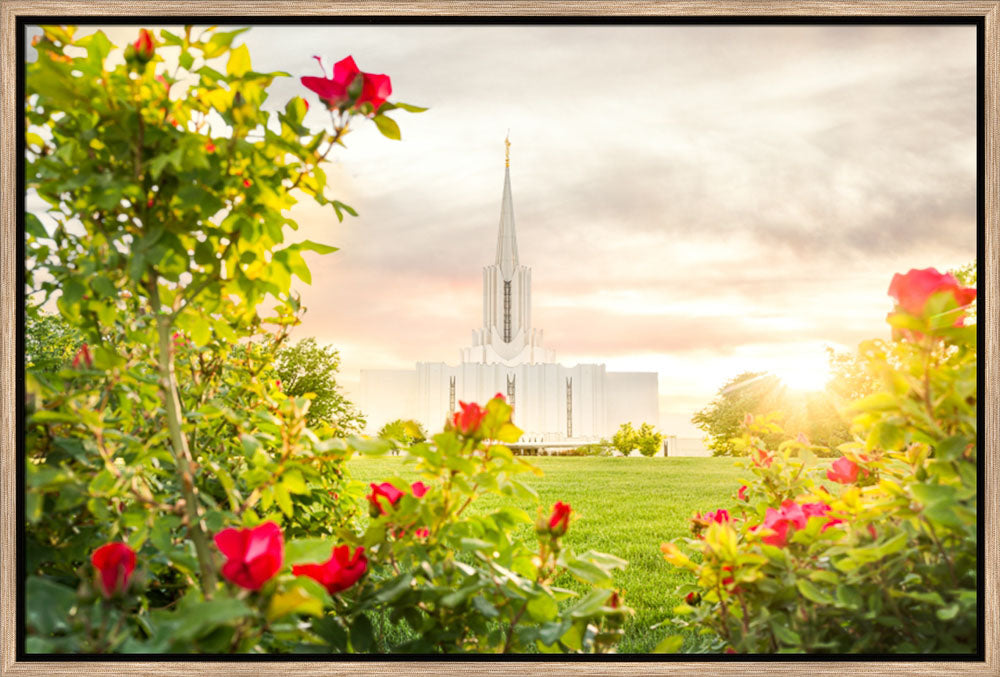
552 402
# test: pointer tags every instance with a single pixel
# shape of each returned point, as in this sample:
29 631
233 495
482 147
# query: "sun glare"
806 374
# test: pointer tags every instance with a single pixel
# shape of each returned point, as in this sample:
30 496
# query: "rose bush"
874 552
229 522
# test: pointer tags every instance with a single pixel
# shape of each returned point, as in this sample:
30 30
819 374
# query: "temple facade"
552 402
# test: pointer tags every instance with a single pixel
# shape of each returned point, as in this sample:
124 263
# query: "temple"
552 402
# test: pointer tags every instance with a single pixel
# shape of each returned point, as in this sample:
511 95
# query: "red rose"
719 516
843 470
774 521
339 572
254 555
144 47
387 491
912 290
115 563
815 509
333 90
375 89
692 598
468 420
559 520
820 510
83 357
419 489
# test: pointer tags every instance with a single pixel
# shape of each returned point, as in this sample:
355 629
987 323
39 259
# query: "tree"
307 367
748 393
625 439
406 432
649 440
49 342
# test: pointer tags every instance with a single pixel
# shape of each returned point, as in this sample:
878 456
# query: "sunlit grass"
624 506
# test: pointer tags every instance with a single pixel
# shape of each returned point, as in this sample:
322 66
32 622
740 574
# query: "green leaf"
951 448
239 62
388 127
811 592
932 494
362 634
340 207
486 608
543 608
785 634
283 499
670 644
308 551
309 245
391 593
47 605
294 600
410 107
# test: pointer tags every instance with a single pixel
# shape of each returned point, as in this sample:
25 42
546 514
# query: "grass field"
624 506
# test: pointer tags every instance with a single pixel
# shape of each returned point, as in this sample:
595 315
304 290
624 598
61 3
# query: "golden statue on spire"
506 142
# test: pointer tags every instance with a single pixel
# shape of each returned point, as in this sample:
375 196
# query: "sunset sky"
692 200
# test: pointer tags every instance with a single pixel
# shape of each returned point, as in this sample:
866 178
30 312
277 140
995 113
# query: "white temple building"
552 402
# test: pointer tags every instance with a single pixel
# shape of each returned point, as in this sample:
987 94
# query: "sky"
693 200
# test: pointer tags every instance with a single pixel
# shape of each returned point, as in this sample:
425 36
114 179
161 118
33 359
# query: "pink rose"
843 470
913 289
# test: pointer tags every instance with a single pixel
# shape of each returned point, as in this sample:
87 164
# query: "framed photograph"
447 337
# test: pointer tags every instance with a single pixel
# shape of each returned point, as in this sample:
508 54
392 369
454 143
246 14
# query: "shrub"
876 551
178 499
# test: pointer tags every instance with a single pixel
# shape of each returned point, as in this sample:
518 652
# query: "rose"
468 420
779 521
559 520
390 493
335 90
843 470
83 357
144 47
762 458
115 563
339 572
792 516
720 516
254 555
742 493
914 289
375 89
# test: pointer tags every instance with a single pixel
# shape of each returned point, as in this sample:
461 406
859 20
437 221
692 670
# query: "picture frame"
10 171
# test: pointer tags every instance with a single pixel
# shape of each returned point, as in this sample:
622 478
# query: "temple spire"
507 237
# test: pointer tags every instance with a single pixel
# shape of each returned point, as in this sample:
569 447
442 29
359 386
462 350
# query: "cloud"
681 192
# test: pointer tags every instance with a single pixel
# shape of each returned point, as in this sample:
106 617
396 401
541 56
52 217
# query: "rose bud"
114 563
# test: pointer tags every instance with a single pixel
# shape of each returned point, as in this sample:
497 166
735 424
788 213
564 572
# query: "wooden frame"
990 317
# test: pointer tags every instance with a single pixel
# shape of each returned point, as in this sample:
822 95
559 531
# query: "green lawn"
624 506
